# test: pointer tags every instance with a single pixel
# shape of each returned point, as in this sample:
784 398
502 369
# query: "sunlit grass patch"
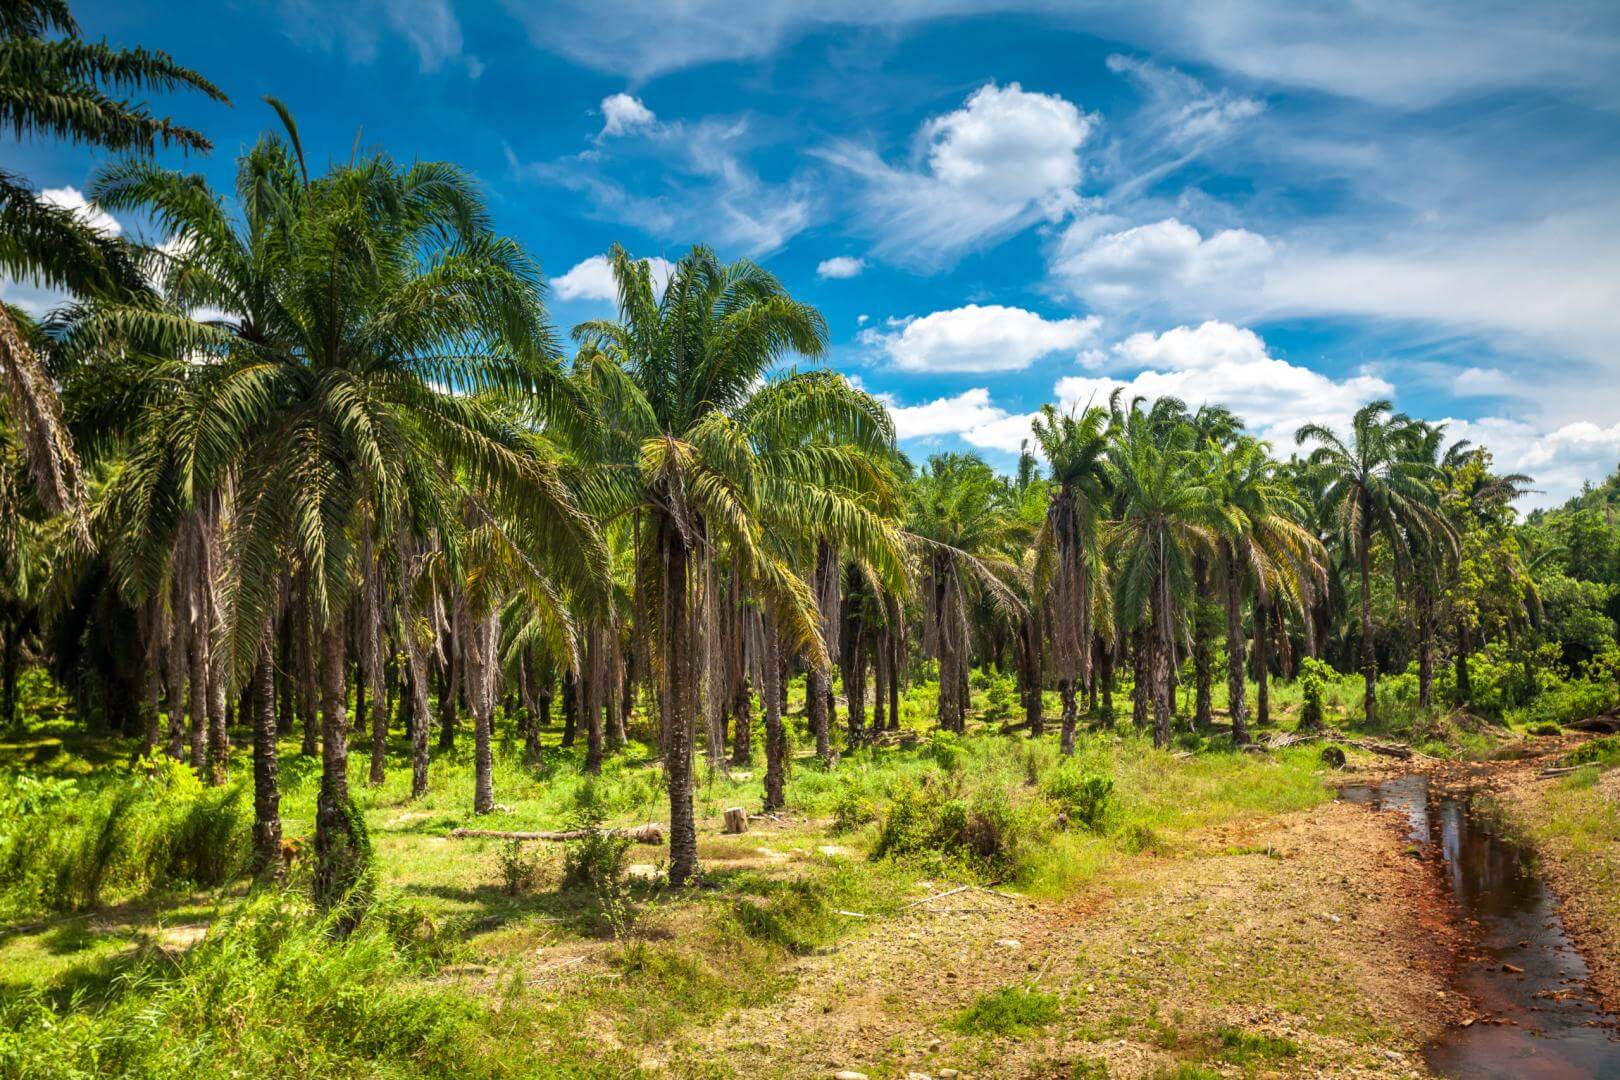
1008 1011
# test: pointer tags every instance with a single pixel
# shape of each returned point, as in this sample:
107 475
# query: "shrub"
519 867
852 808
1600 751
945 749
596 863
1083 798
1314 676
983 832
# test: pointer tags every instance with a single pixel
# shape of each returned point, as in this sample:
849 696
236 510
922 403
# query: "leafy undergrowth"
135 946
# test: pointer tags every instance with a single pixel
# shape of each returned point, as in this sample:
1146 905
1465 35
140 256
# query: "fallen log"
1386 749
1558 770
651 833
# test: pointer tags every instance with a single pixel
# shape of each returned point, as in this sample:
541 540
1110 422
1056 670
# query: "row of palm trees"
320 463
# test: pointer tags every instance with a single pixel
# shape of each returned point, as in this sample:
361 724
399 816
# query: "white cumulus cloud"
840 266
592 279
1164 261
1005 160
622 113
978 338
1220 364
1558 460
72 199
972 415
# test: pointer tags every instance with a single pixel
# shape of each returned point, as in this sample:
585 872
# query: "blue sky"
1288 208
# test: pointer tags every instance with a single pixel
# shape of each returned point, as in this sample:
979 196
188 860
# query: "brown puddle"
1538 1017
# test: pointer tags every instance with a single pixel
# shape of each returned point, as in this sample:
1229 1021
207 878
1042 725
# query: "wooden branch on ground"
1558 770
1283 740
651 833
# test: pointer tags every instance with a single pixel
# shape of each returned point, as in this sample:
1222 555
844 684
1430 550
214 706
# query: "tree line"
317 462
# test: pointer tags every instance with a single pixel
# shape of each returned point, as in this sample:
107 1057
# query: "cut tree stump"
650 833
736 820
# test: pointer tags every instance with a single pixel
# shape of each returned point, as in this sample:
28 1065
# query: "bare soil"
1324 930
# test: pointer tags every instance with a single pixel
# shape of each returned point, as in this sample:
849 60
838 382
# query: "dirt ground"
1324 930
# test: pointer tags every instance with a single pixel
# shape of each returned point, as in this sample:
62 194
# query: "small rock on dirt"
849 1074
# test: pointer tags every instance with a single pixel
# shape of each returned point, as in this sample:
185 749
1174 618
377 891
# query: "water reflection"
1538 1018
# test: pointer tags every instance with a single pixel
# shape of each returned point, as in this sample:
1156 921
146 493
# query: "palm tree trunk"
10 671
570 703
1160 654
1203 660
1105 676
1141 680
1425 648
478 678
1066 692
591 682
177 685
450 696
339 858
1236 686
266 787
1029 674
1369 659
309 686
417 674
1262 662
627 695
371 659
742 724
680 671
198 681
894 679
816 690
880 681
775 732
855 686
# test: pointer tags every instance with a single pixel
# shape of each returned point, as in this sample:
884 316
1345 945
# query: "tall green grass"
69 846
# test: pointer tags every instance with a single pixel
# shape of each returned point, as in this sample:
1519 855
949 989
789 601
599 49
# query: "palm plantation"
308 470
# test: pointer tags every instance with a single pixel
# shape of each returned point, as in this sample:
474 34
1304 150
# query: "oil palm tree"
962 529
368 315
1372 487
55 84
1167 511
1076 448
718 465
1265 552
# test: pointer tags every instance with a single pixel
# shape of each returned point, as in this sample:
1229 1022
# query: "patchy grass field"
1165 910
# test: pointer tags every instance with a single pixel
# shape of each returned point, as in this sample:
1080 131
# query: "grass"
1008 1011
465 957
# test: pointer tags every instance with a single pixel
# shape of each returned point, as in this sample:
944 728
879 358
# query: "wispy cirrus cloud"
429 27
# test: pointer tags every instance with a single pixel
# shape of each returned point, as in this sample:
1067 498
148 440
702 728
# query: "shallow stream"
1538 1018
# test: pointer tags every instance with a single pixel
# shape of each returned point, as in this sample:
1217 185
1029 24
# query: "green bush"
519 867
1600 751
1314 677
596 863
982 832
1083 798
